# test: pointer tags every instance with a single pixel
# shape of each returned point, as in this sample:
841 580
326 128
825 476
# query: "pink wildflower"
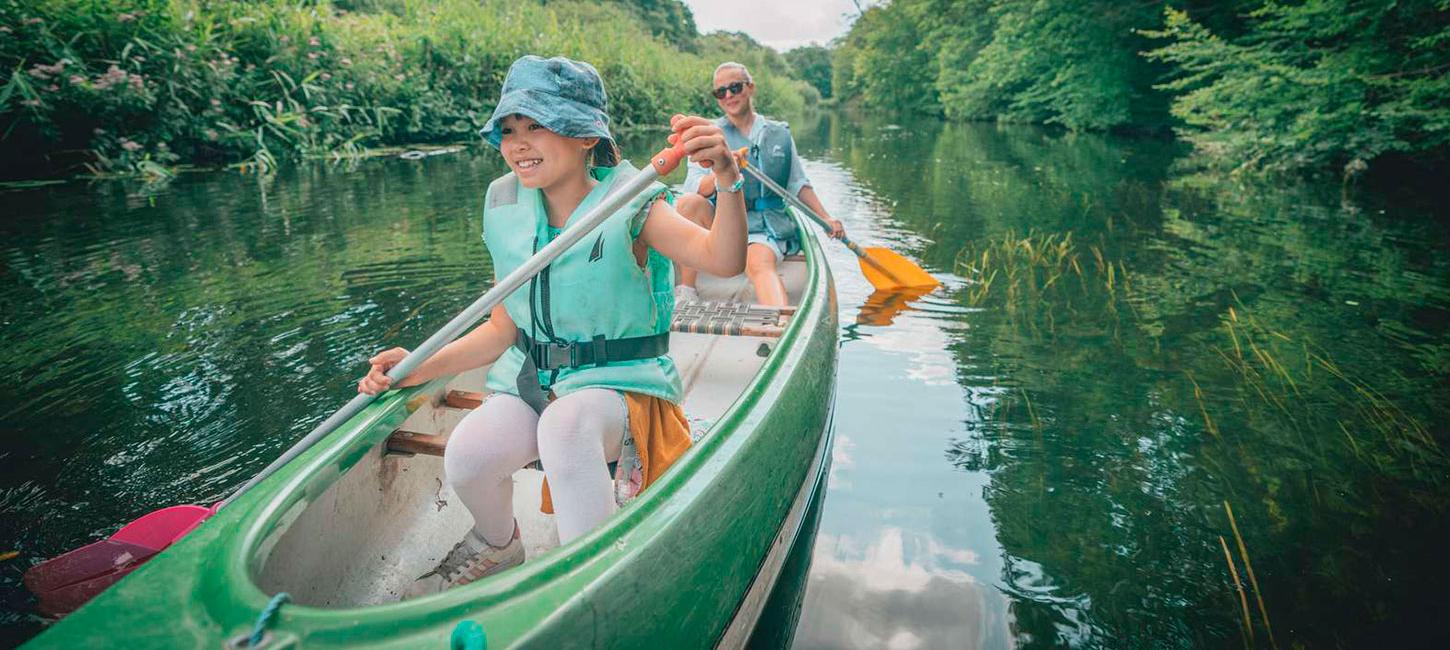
77 80
283 39
52 88
32 103
313 41
326 76
210 134
345 61
128 145
4 29
125 18
251 67
98 131
215 102
348 85
400 76
190 47
34 21
312 56
38 73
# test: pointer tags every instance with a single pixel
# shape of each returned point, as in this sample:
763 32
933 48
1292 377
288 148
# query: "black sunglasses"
733 89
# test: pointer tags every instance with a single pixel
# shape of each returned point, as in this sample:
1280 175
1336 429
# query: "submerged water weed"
1017 266
1300 381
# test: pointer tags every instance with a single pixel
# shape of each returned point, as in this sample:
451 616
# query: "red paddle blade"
66 582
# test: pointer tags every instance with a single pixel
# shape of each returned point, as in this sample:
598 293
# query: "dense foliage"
128 84
812 63
1259 85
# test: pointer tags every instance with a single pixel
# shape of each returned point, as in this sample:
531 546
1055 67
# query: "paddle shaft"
476 311
800 205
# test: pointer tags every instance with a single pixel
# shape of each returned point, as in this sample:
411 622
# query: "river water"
1044 452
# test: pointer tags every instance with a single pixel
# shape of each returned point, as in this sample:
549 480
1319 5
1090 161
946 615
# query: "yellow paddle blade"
884 269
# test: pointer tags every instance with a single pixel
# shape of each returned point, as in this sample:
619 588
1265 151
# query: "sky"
781 24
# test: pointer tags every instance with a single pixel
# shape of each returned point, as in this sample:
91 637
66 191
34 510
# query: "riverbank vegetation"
1264 86
127 85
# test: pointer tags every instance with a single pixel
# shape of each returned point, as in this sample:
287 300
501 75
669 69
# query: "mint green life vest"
594 292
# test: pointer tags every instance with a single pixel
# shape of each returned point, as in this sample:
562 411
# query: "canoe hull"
673 569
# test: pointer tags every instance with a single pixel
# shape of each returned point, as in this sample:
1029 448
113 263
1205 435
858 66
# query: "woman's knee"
759 259
696 208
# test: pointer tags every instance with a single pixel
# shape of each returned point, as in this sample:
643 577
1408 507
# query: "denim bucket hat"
565 96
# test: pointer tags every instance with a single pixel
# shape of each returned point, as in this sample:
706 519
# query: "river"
1044 452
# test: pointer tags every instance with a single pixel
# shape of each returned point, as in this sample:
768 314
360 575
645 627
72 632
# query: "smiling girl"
579 356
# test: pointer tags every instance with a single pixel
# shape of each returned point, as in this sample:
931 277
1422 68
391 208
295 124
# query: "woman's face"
538 156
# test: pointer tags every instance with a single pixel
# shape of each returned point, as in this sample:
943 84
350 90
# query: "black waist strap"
596 352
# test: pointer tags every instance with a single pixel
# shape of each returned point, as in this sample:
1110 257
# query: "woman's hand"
704 142
376 381
837 230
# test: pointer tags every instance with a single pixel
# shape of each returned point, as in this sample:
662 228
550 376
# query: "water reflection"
1133 348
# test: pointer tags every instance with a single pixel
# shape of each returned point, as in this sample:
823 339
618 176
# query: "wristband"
739 183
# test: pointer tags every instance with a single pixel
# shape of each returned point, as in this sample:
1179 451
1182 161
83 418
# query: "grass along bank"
133 85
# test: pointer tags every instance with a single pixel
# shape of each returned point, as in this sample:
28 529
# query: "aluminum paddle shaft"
661 164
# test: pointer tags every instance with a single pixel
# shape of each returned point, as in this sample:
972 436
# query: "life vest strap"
596 352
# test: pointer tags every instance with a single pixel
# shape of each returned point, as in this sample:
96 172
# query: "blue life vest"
770 152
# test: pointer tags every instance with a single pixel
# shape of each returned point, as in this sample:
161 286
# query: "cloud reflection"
896 593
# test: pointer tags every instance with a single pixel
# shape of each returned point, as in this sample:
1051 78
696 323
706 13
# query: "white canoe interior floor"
393 517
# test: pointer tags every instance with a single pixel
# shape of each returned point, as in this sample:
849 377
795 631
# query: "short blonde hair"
731 65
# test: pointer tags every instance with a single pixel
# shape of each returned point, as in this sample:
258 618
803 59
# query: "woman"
579 355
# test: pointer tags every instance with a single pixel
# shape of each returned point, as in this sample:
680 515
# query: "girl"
579 354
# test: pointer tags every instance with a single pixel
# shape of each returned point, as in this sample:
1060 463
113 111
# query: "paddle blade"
62 584
66 582
884 269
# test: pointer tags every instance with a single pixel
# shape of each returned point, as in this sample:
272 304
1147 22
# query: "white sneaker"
686 293
463 564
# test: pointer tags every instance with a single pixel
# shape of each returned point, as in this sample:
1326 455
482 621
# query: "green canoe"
690 562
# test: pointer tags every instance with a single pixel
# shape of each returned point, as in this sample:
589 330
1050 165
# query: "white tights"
575 437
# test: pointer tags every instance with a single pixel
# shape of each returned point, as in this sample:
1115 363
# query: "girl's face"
539 157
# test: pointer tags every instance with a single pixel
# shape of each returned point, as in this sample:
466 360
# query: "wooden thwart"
411 442
463 399
403 441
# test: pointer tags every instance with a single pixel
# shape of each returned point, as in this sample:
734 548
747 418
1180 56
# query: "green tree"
1307 85
812 63
882 61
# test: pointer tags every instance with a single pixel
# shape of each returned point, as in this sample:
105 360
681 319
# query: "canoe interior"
392 517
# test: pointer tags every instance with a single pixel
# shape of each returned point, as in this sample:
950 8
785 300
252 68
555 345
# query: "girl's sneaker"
463 564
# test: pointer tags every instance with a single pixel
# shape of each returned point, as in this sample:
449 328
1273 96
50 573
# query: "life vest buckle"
551 355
